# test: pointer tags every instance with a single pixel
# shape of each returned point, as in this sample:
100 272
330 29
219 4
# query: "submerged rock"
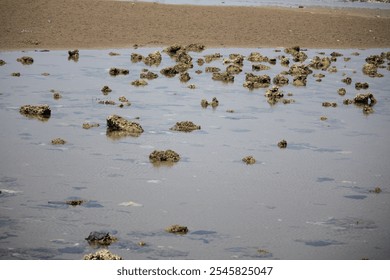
280 80
58 141
74 202
359 85
186 126
347 80
212 69
329 104
249 160
260 67
117 71
25 60
73 55
224 77
153 59
117 123
102 255
282 144
139 83
90 125
184 77
341 91
365 99
177 229
106 90
169 71
148 75
100 238
164 156
43 111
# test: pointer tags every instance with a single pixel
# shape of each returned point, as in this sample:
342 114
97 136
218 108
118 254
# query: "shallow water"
311 200
280 3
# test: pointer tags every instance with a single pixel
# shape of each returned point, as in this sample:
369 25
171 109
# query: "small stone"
58 141
25 60
249 160
186 126
282 144
106 90
341 91
164 156
177 229
117 71
103 254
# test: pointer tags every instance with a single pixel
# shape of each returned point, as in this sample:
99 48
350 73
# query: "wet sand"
114 24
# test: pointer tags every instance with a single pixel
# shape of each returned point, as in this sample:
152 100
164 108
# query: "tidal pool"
313 199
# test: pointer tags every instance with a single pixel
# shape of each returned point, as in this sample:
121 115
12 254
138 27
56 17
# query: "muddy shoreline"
98 24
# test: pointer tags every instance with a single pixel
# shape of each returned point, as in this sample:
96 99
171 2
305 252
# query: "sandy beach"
96 24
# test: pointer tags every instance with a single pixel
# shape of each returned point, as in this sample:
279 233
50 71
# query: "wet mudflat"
317 186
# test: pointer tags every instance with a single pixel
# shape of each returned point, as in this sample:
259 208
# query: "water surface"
311 200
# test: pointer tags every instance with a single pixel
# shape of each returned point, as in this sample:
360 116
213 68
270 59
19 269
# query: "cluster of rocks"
177 229
41 112
97 238
25 60
214 103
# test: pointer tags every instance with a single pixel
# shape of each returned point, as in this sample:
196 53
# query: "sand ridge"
45 24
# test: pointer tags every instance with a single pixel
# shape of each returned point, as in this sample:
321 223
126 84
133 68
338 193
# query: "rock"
359 85
117 71
292 50
273 95
177 229
284 61
148 75
329 104
375 60
164 156
260 67
139 83
212 70
200 61
332 69
100 238
224 77
299 56
257 57
233 69
280 80
282 144
186 126
43 111
58 141
169 72
236 59
57 95
106 90
173 49
347 80
376 190
107 102
320 63
214 102
367 109
335 54
102 255
192 86
211 57
25 60
15 74
113 54
299 69
365 99
249 160
183 57
123 99
183 67
2 62
371 70
153 59
73 55
204 103
323 118
135 57
90 125
75 202
341 91
117 123
195 47
184 77
300 80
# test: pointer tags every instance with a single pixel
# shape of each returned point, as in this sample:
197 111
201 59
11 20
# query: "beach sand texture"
107 24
